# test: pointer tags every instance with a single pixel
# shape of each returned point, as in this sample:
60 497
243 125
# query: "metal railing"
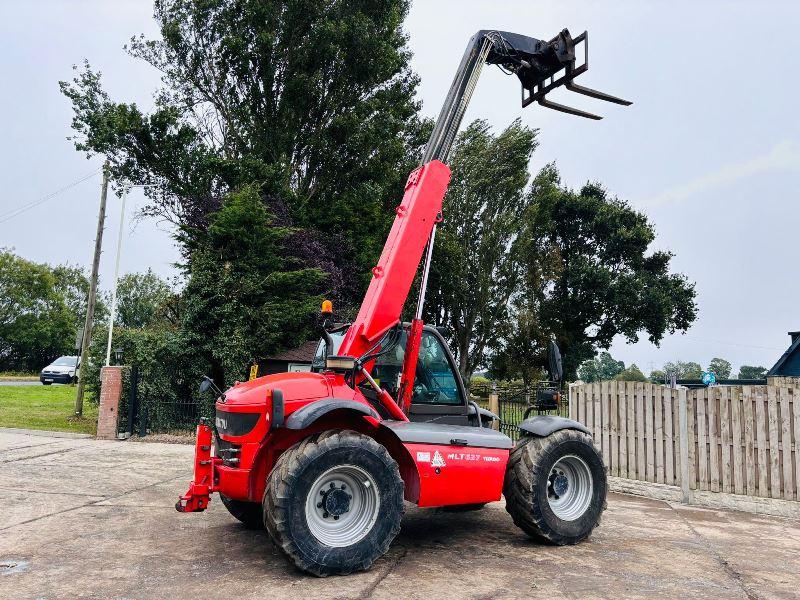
148 408
513 403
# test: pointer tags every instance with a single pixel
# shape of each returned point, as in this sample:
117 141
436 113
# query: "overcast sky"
710 149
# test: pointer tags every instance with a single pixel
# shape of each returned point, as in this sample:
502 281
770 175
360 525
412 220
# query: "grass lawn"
48 407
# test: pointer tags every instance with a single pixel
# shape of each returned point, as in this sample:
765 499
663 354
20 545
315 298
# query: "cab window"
318 362
435 381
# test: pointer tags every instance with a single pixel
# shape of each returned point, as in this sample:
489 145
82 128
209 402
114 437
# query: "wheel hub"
342 506
560 484
570 488
336 501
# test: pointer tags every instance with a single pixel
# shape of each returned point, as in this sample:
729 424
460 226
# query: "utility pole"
87 328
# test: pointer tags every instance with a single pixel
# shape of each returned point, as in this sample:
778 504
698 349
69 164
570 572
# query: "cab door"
439 393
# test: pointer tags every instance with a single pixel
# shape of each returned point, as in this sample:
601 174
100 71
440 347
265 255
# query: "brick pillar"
110 393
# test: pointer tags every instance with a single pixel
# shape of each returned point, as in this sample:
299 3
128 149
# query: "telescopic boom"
541 66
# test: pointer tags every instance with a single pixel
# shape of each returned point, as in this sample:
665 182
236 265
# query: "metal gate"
515 402
148 407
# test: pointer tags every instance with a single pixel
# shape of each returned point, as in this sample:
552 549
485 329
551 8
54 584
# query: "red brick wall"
110 392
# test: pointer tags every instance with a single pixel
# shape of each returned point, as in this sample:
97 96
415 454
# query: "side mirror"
554 361
208 384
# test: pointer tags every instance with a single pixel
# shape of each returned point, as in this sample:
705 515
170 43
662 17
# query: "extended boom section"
392 277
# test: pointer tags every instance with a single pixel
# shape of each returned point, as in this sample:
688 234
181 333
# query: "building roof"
789 363
303 353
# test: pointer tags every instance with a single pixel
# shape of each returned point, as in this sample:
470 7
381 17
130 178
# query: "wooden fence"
737 440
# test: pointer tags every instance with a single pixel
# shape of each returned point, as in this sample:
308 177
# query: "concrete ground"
82 518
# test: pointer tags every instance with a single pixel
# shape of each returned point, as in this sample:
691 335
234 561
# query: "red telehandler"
324 460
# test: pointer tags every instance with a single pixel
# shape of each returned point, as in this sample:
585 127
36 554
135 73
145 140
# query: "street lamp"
116 269
118 355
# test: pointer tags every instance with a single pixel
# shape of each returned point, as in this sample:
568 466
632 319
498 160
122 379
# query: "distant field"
18 376
45 407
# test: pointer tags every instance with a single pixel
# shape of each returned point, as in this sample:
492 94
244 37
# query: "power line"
15 212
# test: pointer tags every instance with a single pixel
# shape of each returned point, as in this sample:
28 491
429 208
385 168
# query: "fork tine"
586 91
568 109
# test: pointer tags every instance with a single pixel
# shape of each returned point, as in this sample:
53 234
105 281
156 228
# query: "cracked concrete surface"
90 519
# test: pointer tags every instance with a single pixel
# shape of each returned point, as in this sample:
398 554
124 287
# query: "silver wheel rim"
342 506
570 488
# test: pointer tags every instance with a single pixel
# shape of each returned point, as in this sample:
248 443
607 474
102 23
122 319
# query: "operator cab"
439 393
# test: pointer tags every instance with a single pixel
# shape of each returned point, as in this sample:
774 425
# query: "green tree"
242 300
36 324
314 101
475 269
590 273
519 350
751 372
73 285
657 376
140 299
632 373
720 367
684 370
601 368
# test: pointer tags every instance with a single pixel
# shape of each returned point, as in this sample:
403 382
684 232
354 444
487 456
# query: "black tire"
249 513
528 488
299 469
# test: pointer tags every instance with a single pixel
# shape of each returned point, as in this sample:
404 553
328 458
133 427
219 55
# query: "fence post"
142 419
133 398
683 425
110 393
494 406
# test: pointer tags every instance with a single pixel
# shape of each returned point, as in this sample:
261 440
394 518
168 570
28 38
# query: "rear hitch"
202 485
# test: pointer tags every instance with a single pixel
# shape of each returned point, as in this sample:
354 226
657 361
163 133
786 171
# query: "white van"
64 369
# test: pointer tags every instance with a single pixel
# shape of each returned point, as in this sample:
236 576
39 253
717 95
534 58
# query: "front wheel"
333 503
555 487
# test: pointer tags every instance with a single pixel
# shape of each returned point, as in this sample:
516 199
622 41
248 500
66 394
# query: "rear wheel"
555 486
333 503
249 513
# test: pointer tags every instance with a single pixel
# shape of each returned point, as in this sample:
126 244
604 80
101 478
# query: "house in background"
788 365
294 360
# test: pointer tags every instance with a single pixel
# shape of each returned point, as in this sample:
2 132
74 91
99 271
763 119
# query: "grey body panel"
544 425
447 435
302 418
